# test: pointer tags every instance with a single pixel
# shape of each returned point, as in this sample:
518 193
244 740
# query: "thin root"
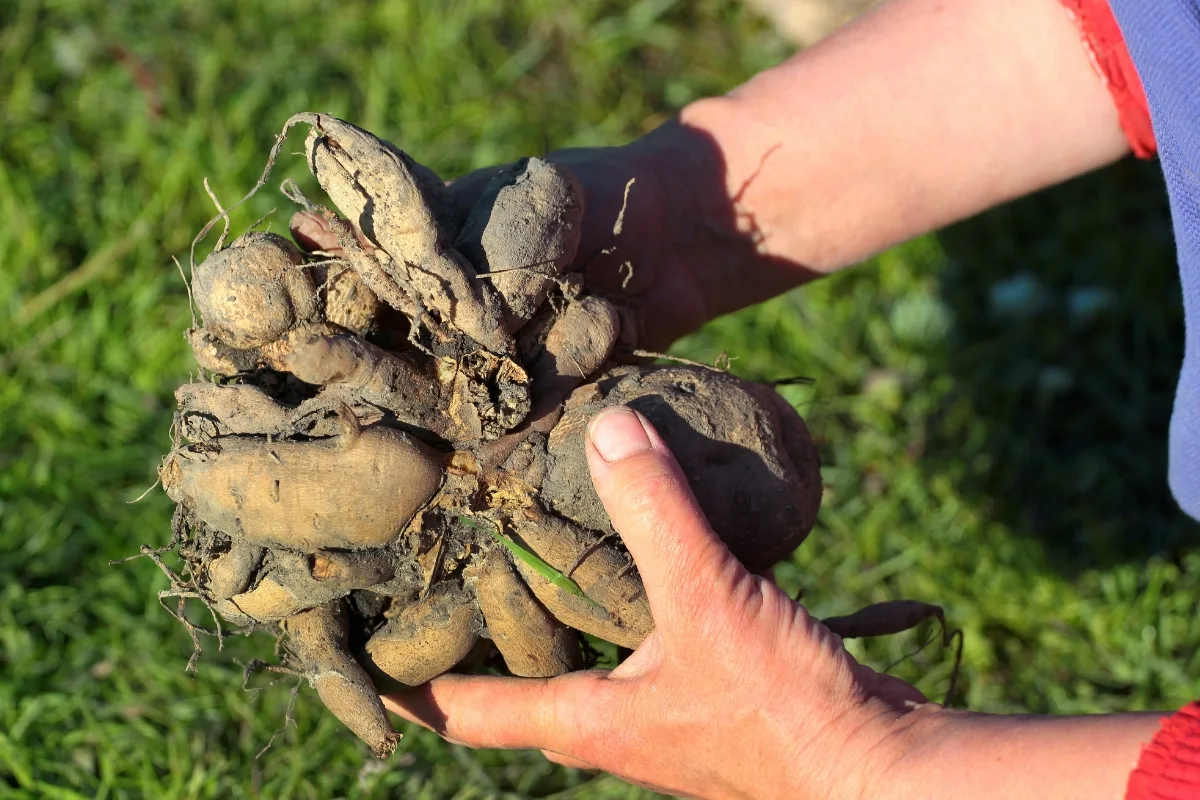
183 590
289 717
627 268
487 276
221 211
949 636
619 225
152 553
897 616
263 219
272 157
187 284
292 192
588 551
721 364
149 489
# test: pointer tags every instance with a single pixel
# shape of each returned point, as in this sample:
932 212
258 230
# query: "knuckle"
727 607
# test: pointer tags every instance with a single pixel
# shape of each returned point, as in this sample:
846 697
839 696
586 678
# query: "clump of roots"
383 463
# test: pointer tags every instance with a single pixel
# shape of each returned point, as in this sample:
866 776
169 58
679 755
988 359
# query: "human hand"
738 692
661 234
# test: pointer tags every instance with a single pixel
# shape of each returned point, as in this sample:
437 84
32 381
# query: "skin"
778 707
920 114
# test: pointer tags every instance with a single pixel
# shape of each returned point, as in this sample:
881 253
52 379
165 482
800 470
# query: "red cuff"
1169 768
1110 57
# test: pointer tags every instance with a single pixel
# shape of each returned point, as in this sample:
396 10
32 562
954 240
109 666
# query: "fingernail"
618 433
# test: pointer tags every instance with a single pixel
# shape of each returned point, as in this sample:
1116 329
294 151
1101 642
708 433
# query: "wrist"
704 180
893 747
865 753
911 751
947 753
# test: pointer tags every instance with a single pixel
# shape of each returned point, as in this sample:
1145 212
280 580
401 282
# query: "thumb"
684 566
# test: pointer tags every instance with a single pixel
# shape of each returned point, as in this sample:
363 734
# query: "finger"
567 761
683 564
399 705
559 714
312 232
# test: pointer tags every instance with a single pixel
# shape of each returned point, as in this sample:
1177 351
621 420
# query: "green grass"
1004 459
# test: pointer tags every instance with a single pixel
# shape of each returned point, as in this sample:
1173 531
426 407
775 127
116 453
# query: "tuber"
385 421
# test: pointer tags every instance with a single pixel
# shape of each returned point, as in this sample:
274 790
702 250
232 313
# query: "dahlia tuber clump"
384 462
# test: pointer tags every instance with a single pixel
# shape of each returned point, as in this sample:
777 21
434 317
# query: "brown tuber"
254 291
279 493
385 458
317 640
523 233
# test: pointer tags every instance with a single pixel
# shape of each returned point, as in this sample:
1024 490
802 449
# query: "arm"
776 707
956 754
915 116
920 114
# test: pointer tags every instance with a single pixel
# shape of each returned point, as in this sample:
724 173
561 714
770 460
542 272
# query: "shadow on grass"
1065 352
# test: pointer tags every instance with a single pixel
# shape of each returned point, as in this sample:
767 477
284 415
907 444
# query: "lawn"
991 401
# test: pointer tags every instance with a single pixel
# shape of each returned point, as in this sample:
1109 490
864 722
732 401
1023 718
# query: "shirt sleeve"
1106 47
1169 767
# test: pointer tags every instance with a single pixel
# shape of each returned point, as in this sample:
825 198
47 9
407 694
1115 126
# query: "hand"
638 261
738 692
682 253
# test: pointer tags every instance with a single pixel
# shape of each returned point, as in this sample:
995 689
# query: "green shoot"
536 564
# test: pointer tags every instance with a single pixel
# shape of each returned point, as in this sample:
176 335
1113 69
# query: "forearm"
920 114
953 754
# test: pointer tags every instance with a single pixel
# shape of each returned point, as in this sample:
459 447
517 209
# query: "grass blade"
536 564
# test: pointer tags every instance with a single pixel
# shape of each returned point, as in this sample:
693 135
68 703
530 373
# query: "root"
628 267
289 717
619 225
261 220
183 590
950 636
491 275
897 616
152 553
272 157
251 668
180 614
142 496
221 211
955 670
292 192
317 407
187 284
589 550
721 364
289 714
